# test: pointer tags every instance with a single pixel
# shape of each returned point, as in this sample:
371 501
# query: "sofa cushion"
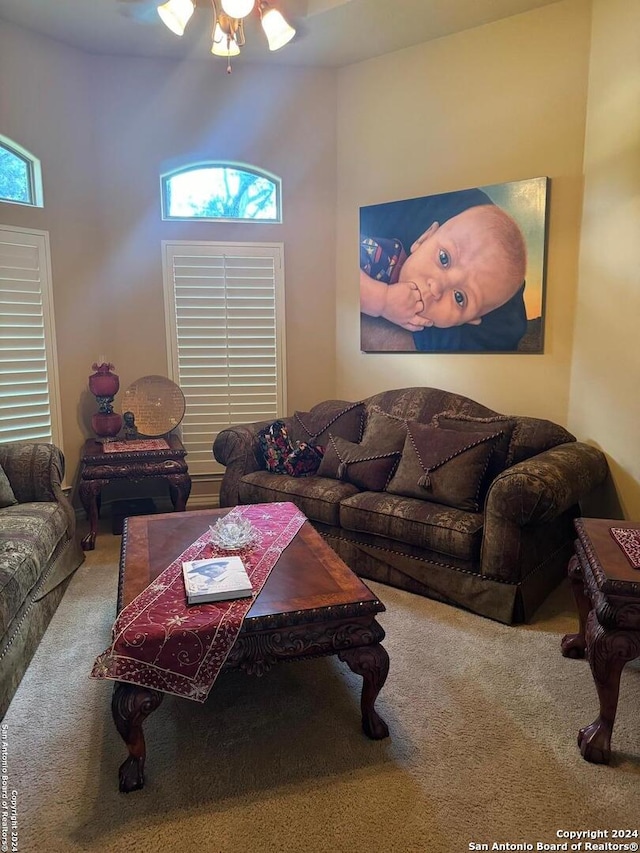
7 498
332 416
444 465
358 464
318 497
29 534
451 532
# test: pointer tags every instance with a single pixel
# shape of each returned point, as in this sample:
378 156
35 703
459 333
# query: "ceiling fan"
228 20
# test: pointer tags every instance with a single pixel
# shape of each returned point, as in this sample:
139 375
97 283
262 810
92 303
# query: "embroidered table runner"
160 642
629 540
138 444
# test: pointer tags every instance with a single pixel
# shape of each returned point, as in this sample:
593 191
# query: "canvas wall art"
457 272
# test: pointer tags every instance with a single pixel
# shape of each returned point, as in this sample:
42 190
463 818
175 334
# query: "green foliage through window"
221 192
19 175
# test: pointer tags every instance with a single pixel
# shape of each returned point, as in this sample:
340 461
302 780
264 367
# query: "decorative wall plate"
157 404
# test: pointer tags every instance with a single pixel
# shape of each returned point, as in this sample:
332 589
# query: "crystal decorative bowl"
231 535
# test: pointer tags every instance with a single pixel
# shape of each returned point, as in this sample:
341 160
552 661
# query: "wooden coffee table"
311 605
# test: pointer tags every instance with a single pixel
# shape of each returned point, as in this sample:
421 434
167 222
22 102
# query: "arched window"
20 175
222 192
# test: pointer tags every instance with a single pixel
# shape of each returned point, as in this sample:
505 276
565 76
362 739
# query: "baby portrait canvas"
456 272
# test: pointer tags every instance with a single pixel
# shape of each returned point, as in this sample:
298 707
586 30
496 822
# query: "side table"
98 467
607 592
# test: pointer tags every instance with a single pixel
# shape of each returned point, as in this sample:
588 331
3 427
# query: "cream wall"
105 128
497 103
46 106
604 402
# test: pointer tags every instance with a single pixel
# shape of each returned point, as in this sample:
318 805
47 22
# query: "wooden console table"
607 592
98 468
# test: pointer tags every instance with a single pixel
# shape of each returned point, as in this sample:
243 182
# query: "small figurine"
130 430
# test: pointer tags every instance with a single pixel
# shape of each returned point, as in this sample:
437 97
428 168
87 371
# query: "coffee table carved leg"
608 652
179 490
372 663
130 706
574 645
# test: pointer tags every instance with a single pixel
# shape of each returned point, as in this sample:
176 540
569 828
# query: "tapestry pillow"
333 417
280 456
7 498
470 423
444 465
304 460
358 464
274 447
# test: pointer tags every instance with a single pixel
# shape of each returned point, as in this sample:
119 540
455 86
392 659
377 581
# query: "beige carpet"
483 723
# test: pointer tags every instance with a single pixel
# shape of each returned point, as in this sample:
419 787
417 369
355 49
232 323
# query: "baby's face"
460 270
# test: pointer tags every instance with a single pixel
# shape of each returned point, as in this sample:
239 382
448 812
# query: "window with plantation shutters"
225 331
29 399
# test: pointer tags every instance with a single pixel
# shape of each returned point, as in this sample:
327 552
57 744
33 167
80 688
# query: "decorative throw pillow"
357 464
331 416
7 498
275 447
383 433
470 423
444 465
280 456
535 435
304 460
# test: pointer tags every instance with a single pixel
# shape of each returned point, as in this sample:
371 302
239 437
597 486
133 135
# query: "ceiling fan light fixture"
237 8
175 14
275 26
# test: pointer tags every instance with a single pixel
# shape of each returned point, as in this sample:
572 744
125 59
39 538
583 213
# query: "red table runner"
162 643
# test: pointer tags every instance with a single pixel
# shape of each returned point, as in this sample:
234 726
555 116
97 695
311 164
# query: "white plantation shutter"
29 397
225 331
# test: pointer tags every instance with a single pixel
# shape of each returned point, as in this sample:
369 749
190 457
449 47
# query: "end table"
607 592
98 467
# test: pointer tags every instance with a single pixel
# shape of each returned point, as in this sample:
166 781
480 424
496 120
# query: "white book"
216 579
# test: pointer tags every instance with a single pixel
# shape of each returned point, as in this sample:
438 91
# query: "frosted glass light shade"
276 29
237 8
223 44
175 14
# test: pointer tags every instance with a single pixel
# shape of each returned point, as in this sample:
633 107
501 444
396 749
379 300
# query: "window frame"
276 250
34 170
220 164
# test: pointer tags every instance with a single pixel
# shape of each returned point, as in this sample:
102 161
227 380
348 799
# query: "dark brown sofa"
500 556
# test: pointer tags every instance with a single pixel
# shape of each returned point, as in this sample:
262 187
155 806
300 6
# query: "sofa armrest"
35 472
236 448
532 494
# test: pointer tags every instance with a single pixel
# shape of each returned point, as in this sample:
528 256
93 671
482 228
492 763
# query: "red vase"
106 425
103 383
